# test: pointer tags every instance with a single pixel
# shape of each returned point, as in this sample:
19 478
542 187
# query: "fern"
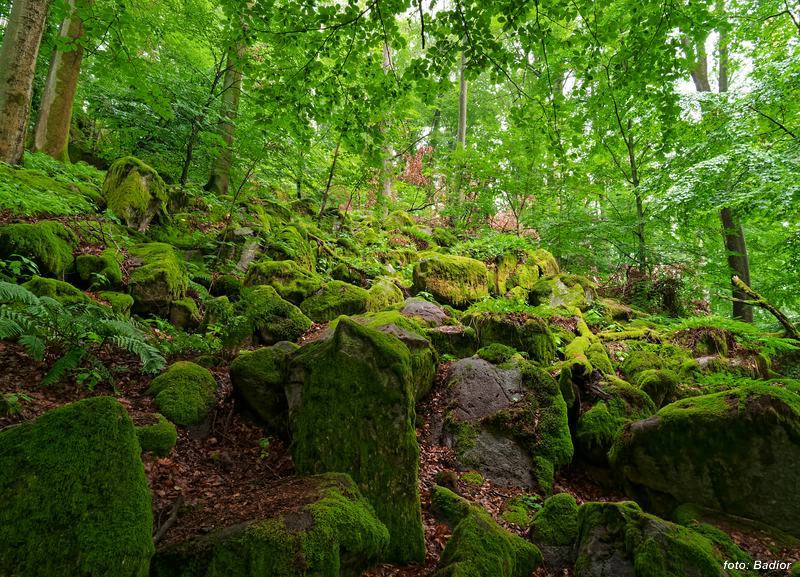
70 361
13 293
34 345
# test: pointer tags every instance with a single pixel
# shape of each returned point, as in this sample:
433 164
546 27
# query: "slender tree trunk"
327 190
462 104
196 125
220 179
23 34
387 181
55 113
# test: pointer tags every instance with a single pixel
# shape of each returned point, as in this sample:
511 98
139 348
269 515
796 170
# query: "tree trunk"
462 105
23 34
732 230
387 182
55 113
220 179
327 190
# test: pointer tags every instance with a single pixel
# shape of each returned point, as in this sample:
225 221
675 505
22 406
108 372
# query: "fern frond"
33 345
14 293
9 328
71 360
151 359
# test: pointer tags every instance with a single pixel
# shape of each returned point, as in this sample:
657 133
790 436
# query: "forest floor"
220 473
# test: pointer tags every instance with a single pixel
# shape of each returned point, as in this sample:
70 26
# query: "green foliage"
26 191
48 243
72 333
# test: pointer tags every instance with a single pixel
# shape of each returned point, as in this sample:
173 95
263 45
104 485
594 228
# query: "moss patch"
334 299
120 303
159 278
134 192
101 270
59 290
293 283
158 438
452 280
557 522
271 318
524 333
185 393
49 244
75 496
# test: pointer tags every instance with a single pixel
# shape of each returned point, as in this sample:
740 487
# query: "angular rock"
293 283
563 290
158 279
734 451
75 495
134 192
351 407
384 293
554 531
432 315
453 280
328 530
334 299
455 340
271 318
528 334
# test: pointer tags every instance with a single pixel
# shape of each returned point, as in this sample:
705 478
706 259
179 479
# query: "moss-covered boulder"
619 539
120 303
184 393
134 192
554 531
75 496
384 293
326 529
101 271
599 426
291 243
59 290
271 318
455 340
185 314
453 280
563 290
520 269
525 333
334 299
351 407
479 546
48 243
159 278
660 385
426 313
735 451
258 378
509 422
159 437
292 282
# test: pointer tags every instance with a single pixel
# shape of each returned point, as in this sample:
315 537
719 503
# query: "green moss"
383 294
101 270
291 243
479 546
464 435
444 237
520 510
229 286
351 402
660 385
639 361
452 280
565 291
795 571
49 244
32 192
134 192
120 303
472 478
184 313
75 495
292 282
527 334
454 340
271 318
335 534
158 438
185 393
334 299
557 521
159 279
497 353
754 430
652 546
59 290
258 378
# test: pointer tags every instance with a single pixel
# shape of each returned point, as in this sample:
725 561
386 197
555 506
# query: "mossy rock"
159 278
75 495
479 546
184 314
334 299
383 294
731 451
271 318
329 530
120 303
554 531
620 539
444 237
599 426
59 290
515 270
529 334
565 291
48 243
660 385
453 280
258 378
346 274
102 271
291 243
229 286
455 340
497 353
158 438
292 282
134 192
185 393
351 407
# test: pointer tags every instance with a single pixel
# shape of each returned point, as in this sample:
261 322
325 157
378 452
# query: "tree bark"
220 179
23 34
387 182
55 113
462 105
